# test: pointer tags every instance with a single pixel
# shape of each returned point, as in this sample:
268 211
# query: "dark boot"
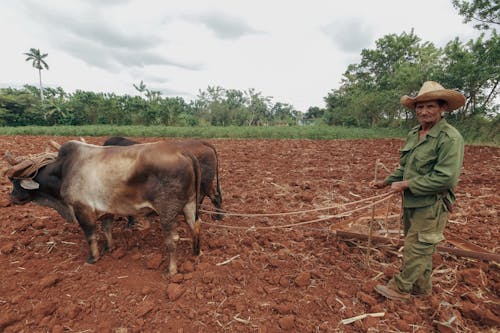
391 293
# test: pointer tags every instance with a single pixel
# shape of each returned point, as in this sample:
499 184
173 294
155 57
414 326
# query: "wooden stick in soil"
492 257
371 221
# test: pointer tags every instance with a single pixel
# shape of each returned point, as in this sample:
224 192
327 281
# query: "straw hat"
432 91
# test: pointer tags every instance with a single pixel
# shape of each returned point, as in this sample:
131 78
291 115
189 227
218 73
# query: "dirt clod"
303 279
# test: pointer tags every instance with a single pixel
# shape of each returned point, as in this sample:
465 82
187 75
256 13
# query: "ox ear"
55 145
29 184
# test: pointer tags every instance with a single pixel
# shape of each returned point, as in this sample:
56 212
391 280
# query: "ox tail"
218 195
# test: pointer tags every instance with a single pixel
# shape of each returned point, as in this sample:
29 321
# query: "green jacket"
431 166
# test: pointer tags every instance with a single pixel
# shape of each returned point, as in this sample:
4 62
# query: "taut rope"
384 196
295 212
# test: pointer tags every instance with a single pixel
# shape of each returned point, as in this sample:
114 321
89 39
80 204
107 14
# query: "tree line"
216 106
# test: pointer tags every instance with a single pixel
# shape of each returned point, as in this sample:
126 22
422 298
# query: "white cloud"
294 51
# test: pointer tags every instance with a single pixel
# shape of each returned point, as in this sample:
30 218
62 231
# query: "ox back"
86 181
209 164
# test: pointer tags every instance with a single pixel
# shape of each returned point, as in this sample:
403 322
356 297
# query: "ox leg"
107 226
195 225
169 226
217 202
88 226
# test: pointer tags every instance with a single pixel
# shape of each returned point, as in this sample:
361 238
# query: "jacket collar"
434 131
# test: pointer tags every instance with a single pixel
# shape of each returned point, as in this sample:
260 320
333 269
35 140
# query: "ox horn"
55 144
83 140
10 159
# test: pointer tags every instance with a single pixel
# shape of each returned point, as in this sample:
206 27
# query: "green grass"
230 132
267 132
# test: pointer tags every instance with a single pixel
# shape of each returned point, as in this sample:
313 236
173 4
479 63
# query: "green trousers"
423 230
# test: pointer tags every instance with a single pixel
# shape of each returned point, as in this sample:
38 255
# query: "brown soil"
297 279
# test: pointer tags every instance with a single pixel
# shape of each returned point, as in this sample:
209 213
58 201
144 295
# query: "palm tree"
38 62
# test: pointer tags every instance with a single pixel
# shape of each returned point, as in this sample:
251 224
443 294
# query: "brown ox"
85 181
209 164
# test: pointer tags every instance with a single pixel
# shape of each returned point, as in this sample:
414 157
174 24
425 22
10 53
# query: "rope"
387 196
402 208
295 212
383 166
37 162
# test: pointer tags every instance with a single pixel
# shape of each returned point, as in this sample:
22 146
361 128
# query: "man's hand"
377 184
399 186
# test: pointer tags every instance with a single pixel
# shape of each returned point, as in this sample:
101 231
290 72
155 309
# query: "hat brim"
453 98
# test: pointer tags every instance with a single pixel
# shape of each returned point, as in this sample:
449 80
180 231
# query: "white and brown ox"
209 165
86 181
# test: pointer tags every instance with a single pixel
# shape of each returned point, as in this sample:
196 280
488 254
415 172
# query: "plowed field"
255 273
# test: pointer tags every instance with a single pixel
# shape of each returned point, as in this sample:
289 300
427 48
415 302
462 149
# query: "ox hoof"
91 260
171 270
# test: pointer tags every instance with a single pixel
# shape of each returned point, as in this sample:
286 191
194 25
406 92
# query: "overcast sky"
294 51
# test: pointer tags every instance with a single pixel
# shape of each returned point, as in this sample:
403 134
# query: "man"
430 164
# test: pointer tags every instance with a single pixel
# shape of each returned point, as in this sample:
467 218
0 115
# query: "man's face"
429 112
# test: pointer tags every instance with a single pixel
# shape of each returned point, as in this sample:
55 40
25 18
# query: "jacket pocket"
424 162
430 237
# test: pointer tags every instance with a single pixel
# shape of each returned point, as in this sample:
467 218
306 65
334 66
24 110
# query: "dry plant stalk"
363 316
228 260
372 219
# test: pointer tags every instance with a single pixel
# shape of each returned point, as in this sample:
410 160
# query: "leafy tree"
258 106
481 84
183 112
235 99
283 114
208 102
370 91
39 63
486 13
336 111
17 108
473 67
237 106
314 112
220 107
130 109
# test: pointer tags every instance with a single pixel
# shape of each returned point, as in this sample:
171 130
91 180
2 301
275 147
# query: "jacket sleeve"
444 175
395 176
